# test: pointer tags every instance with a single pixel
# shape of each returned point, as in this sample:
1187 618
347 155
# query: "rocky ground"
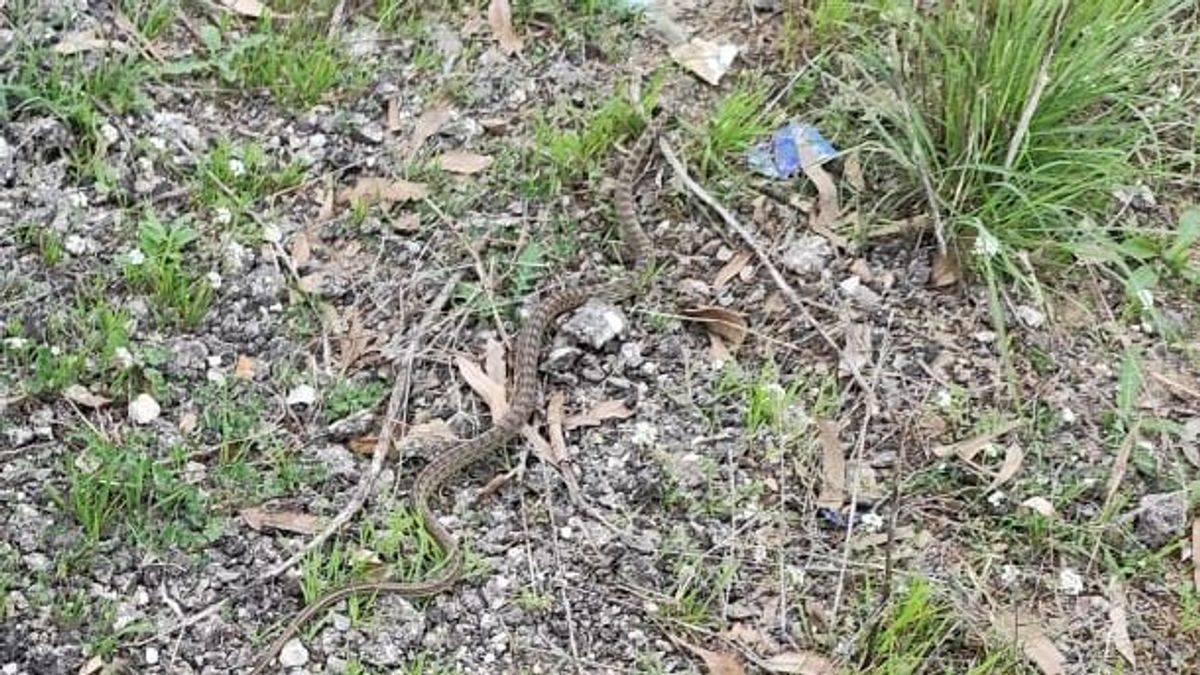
221 240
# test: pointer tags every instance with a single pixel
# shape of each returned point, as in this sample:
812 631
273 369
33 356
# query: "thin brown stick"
776 276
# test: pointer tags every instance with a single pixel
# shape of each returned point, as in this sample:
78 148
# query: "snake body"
639 252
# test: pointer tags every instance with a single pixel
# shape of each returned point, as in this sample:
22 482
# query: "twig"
395 403
776 275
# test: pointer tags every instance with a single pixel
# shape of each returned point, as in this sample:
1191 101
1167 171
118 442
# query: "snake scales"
639 252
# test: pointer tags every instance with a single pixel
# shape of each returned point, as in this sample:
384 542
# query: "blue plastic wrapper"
780 156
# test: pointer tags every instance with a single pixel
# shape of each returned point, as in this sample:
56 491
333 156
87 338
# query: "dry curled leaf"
500 21
605 410
489 390
554 424
833 467
853 172
288 521
1013 456
429 123
857 354
250 8
730 270
87 41
968 448
80 394
724 323
946 270
243 367
374 189
799 663
1040 505
1118 620
1021 627
708 60
467 163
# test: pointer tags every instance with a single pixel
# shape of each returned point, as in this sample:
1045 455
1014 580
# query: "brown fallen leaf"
288 521
799 663
1118 620
80 394
1121 464
429 123
726 324
91 666
188 422
488 389
500 20
1020 627
87 41
833 467
716 663
946 270
1196 553
374 189
393 114
406 223
852 169
968 448
828 205
301 250
605 410
251 8
466 163
857 354
243 367
1013 456
730 270
707 60
554 424
1040 505
494 363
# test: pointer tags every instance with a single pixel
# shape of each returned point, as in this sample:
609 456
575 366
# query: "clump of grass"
236 176
738 120
1020 148
158 268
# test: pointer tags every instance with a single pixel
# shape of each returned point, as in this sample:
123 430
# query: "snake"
638 256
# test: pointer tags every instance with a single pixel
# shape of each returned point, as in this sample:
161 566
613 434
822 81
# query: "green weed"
347 397
158 267
1020 149
236 177
738 120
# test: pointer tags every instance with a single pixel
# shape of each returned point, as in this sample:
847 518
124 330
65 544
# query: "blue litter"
780 156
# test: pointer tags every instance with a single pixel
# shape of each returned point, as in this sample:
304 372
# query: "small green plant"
235 177
350 396
698 589
738 120
152 18
44 240
157 267
122 488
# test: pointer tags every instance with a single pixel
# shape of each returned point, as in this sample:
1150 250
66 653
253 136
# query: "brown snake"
639 251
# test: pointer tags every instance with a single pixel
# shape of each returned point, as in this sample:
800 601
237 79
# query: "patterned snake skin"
639 251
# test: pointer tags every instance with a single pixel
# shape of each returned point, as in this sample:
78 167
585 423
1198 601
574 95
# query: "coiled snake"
639 252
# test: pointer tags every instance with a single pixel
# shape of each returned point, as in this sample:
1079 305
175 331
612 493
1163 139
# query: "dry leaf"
311 283
1040 505
428 124
188 422
458 161
736 264
828 205
1121 464
288 521
301 250
363 445
724 323
1196 553
80 394
833 466
92 665
393 114
1020 627
967 449
554 424
708 60
493 362
799 663
251 8
1013 456
605 410
946 270
373 189
1118 623
852 168
488 389
718 352
406 223
500 20
243 367
87 41
857 354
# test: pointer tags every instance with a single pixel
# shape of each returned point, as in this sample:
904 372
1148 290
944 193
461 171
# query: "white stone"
303 394
144 409
293 654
